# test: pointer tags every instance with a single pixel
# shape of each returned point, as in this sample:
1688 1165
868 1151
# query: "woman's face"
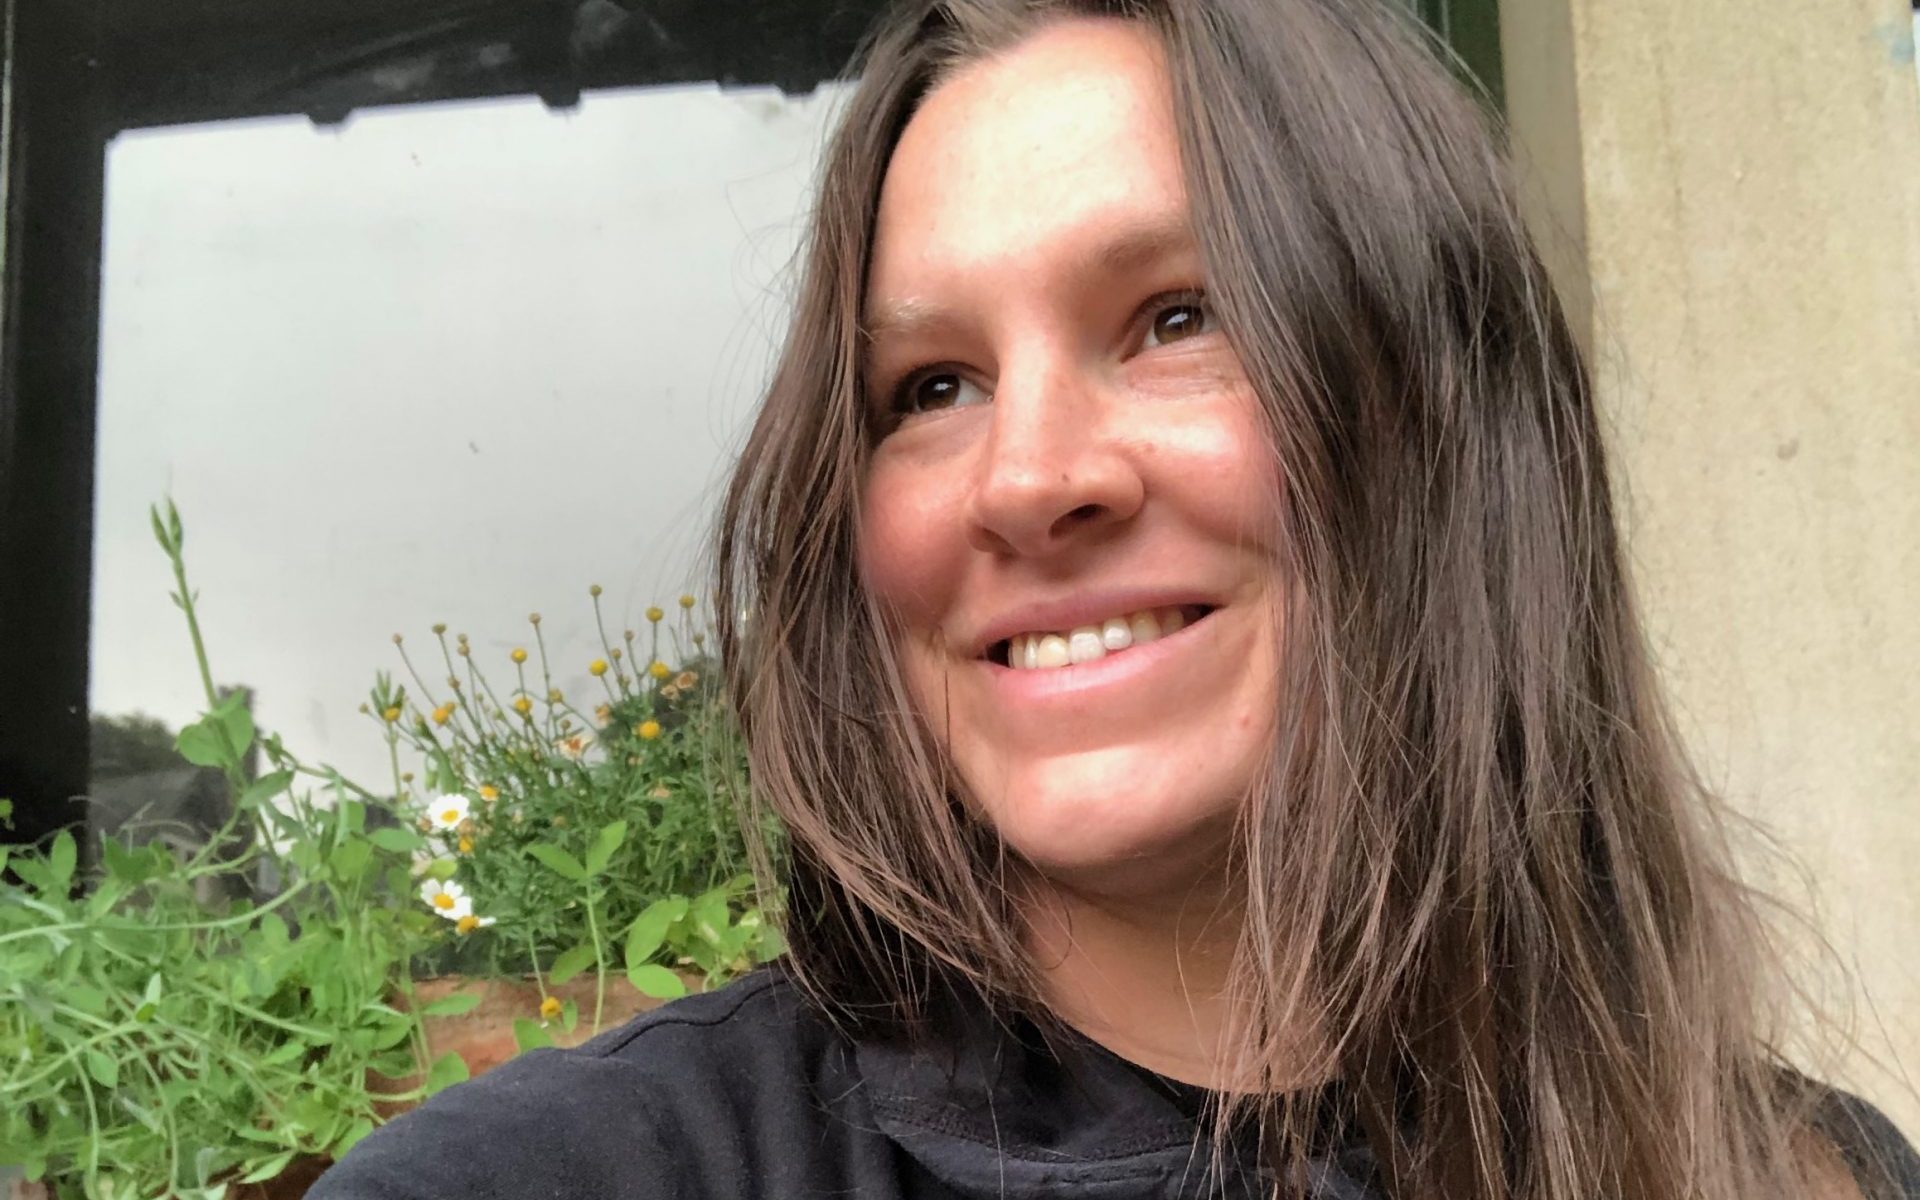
1071 510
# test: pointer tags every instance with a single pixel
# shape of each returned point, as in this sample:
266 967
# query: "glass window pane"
450 363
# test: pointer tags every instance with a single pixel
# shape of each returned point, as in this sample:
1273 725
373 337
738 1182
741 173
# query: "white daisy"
447 812
447 898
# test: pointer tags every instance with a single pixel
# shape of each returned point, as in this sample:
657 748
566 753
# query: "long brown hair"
1479 863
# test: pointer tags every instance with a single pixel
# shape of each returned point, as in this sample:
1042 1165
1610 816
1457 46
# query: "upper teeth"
1086 643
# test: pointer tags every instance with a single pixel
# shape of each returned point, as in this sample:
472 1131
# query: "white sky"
451 363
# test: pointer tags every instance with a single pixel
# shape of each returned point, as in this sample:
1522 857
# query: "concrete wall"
1730 193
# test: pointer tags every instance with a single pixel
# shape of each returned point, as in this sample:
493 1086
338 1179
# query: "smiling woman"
1172 595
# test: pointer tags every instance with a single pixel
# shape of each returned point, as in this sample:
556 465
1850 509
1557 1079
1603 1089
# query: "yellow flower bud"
396 639
597 667
522 705
439 627
467 924
549 1008
518 655
616 654
685 680
554 696
465 845
443 714
648 730
391 715
658 669
654 614
686 601
533 618
489 793
594 590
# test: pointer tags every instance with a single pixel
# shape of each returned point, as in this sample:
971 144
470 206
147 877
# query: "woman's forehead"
1059 153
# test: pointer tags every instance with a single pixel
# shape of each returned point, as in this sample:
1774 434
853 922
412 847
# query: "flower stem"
599 961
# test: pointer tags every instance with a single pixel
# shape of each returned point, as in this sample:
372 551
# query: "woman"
1190 651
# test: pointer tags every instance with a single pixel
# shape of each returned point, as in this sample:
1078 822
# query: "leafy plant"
153 1047
154 1044
570 840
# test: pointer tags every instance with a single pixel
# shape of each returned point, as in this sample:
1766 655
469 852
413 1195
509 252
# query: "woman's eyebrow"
1132 248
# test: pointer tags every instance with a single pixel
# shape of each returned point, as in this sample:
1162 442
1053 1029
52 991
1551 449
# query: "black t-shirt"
748 1093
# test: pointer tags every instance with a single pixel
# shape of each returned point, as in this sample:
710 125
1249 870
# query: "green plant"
571 840
154 1043
155 1048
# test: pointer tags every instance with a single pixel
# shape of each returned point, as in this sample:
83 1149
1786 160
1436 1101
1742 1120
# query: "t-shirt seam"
937 1121
665 1017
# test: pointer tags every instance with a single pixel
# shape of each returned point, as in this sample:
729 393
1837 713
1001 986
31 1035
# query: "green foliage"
153 1046
563 828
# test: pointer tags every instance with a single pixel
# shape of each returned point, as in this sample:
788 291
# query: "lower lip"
1087 681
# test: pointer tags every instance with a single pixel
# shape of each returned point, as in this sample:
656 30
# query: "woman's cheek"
906 558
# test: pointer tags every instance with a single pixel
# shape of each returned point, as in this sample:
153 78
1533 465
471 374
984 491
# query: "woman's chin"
1123 836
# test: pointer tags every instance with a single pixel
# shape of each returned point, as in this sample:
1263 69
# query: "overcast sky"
451 363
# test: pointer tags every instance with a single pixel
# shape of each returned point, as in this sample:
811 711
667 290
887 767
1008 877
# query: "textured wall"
1732 194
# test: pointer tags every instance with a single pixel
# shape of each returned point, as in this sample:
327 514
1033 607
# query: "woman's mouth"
1043 650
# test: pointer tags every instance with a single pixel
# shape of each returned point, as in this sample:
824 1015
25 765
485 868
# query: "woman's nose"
1052 472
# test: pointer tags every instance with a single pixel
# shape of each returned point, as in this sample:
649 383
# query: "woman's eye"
932 391
1185 318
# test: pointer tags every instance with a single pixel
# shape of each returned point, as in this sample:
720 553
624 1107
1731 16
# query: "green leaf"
530 1035
569 1016
446 1071
604 846
150 1000
61 859
656 981
199 743
105 1071
443 869
397 841
649 930
559 861
265 788
122 863
452 1005
235 720
349 859
354 1133
85 997
284 1053
268 1169
570 964
710 916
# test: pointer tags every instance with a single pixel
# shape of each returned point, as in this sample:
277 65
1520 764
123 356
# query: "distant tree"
133 744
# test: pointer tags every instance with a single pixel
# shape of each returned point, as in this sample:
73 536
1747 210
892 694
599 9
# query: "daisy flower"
447 812
447 898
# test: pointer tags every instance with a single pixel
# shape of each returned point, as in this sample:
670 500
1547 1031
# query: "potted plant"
539 873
